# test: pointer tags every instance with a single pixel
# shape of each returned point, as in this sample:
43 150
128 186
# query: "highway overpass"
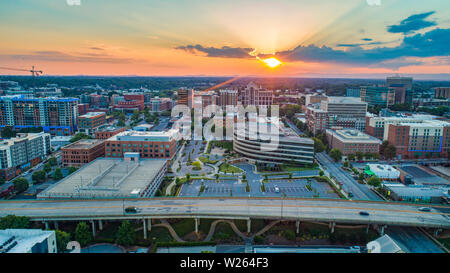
296 209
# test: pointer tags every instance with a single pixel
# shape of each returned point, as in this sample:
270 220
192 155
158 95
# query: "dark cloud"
429 44
223 52
412 23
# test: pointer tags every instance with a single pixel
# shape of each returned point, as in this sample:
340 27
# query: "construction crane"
33 71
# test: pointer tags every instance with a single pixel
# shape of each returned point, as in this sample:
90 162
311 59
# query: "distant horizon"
416 77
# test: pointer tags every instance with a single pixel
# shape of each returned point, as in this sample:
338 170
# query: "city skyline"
227 38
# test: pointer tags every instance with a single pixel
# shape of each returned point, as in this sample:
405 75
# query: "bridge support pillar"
93 228
249 227
367 228
297 226
100 224
46 225
333 224
436 232
144 222
56 225
382 230
149 225
196 225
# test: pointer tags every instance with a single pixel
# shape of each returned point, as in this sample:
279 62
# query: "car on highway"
277 190
350 194
364 213
424 209
131 210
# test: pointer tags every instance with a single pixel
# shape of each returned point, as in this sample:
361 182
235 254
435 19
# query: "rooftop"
92 114
107 178
84 144
22 240
145 136
352 135
338 100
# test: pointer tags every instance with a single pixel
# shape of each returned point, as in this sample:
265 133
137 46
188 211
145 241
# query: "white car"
277 190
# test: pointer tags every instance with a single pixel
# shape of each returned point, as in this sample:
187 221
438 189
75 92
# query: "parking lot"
421 176
297 188
213 189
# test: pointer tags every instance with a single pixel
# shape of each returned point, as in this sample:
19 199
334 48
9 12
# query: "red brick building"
83 151
147 144
108 132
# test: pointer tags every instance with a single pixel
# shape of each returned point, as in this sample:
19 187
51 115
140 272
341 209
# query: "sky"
226 38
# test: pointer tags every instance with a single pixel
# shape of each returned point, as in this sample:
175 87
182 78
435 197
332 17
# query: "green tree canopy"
58 175
126 234
79 136
336 155
12 221
83 234
39 176
62 239
20 184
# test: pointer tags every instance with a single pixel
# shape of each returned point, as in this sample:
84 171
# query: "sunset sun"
272 62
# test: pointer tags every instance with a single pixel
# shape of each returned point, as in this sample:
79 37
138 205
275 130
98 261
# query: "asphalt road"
349 184
271 208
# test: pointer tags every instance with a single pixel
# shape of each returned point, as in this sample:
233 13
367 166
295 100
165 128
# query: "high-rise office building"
58 116
256 95
402 87
377 96
442 92
186 97
25 150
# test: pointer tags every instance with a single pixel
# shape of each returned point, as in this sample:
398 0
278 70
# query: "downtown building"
290 148
256 95
418 136
185 97
402 89
441 92
147 144
351 141
343 112
21 152
57 116
91 122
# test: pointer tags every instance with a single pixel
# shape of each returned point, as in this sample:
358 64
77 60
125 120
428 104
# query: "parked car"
364 213
424 209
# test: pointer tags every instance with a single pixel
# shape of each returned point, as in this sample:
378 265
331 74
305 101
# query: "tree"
376 156
53 161
361 177
14 222
82 234
390 151
351 157
47 167
58 175
374 181
359 155
79 136
383 146
318 145
345 163
126 234
20 184
188 177
321 173
336 155
2 180
62 239
8 132
39 176
72 169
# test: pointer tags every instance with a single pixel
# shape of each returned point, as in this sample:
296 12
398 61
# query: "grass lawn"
297 169
159 234
227 168
445 242
224 232
205 160
184 226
